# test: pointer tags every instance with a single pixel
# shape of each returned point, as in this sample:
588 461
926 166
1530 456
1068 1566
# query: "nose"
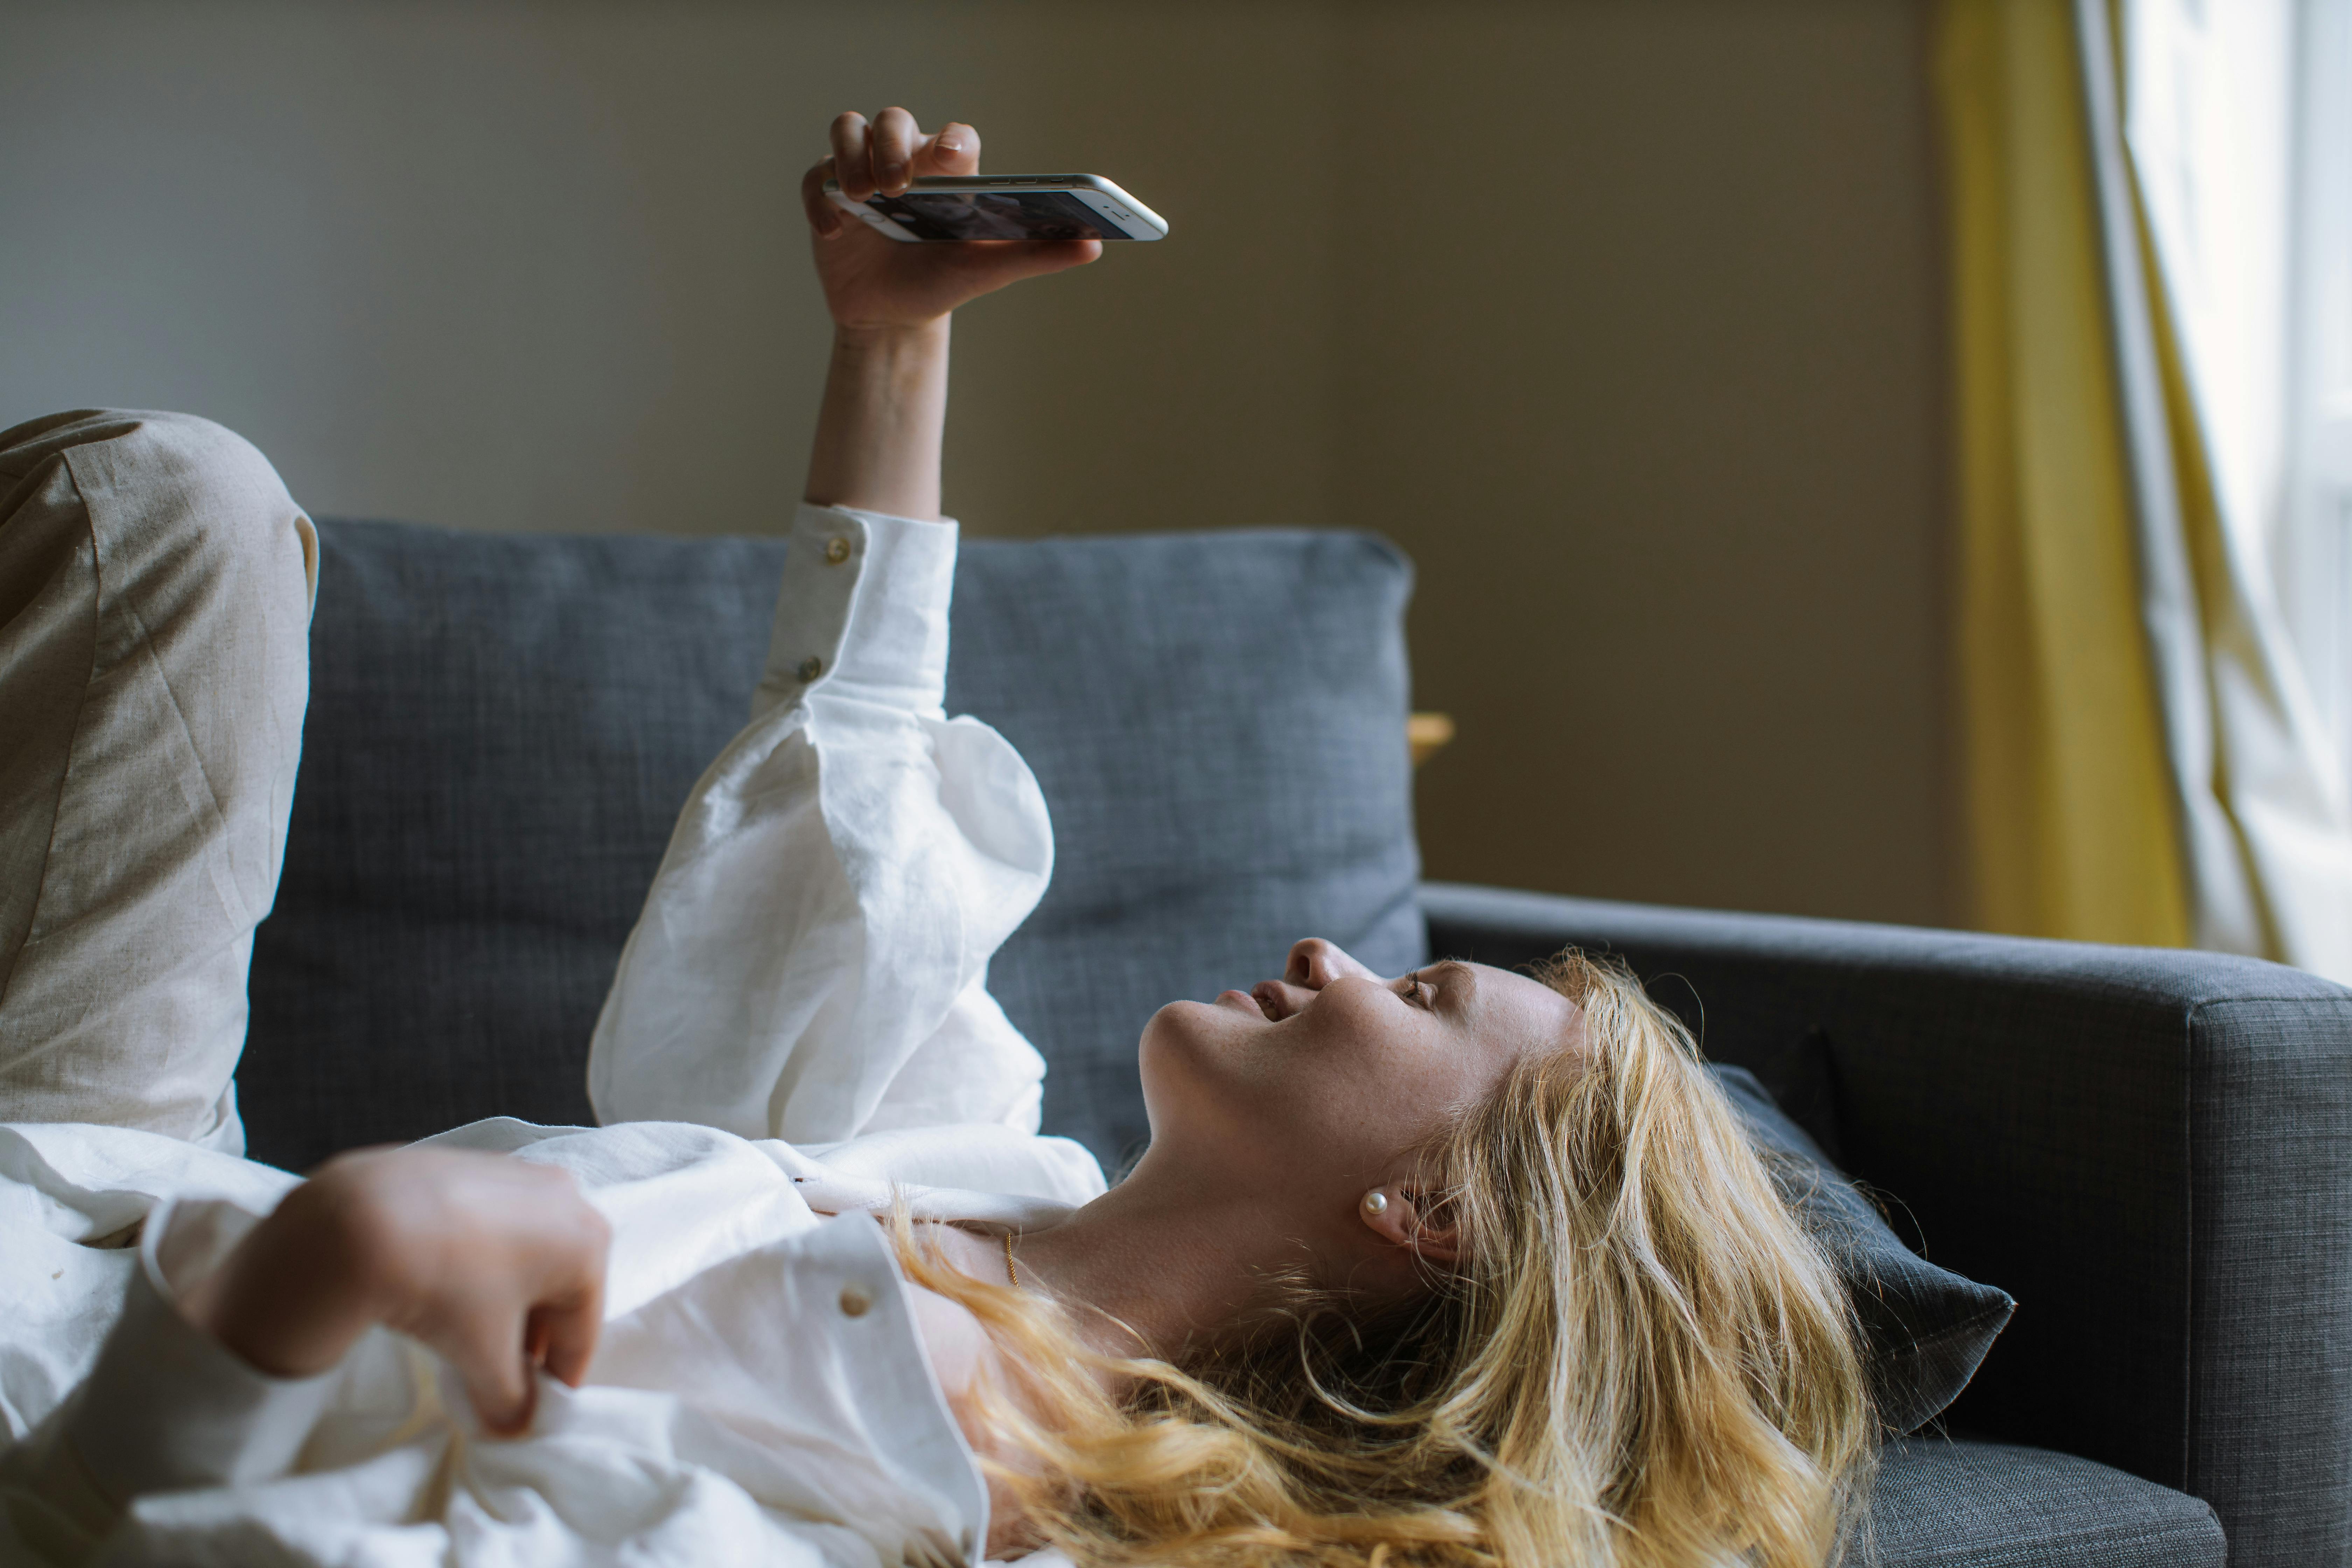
1315 963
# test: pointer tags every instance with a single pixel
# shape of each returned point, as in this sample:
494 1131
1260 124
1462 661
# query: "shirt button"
810 669
853 1302
836 551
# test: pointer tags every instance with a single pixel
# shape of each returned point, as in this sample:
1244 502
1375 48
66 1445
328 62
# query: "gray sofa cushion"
1928 1328
1942 1504
503 728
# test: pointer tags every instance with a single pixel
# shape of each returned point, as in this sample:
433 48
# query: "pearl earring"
1376 1202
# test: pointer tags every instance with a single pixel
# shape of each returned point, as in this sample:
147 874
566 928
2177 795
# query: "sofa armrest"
2151 1149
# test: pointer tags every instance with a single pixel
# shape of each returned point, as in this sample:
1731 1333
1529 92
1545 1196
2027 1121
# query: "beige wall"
1665 441
1622 317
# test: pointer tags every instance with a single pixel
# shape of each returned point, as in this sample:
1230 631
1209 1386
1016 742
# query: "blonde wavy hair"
1643 1359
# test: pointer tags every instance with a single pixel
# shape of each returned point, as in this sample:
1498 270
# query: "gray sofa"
2151 1151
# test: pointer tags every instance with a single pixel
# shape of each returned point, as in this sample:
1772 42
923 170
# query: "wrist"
879 431
891 340
300 1289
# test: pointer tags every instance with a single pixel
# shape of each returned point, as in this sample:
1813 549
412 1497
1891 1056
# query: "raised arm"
885 392
811 961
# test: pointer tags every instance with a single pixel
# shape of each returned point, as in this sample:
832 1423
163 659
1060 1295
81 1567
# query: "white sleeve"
812 962
167 1407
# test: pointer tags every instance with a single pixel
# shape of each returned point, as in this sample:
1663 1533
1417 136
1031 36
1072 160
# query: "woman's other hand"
496 1264
873 282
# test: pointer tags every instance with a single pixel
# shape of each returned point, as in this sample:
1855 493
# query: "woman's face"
1312 1090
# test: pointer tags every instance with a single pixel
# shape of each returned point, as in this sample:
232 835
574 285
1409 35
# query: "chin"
1176 1027
1226 1021
1186 1042
1192 1059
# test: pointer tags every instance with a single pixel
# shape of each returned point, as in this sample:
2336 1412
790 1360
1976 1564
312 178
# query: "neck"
1150 1273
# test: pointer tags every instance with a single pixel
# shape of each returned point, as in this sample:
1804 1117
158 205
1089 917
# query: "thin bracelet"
1009 1271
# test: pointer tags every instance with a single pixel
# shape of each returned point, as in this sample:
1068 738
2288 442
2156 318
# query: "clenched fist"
495 1264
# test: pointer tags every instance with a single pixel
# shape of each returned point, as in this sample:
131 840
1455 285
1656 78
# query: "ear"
1430 1233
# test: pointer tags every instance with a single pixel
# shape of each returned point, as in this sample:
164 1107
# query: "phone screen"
996 215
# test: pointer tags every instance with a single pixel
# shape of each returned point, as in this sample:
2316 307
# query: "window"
2239 116
2318 560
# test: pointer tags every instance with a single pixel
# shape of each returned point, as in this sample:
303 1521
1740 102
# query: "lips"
1255 1002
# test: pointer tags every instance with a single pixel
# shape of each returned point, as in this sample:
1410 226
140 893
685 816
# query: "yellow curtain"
2071 814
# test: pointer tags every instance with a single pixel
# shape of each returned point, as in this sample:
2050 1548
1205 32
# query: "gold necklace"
1010 1274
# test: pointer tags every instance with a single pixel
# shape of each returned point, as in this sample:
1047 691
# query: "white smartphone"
1006 206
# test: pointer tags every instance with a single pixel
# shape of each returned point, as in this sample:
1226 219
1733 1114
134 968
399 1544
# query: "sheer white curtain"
2317 543
2238 149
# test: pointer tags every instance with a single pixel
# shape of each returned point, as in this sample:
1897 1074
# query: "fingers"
495 1263
892 142
852 159
891 151
881 155
550 1316
822 216
954 150
570 1311
563 1338
488 1352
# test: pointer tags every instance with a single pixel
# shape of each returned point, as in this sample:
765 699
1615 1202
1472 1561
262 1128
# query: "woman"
1459 1265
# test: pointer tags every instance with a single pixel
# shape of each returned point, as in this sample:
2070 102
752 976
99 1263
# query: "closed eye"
1417 992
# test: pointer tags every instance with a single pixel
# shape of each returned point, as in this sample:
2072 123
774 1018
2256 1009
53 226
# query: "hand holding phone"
874 283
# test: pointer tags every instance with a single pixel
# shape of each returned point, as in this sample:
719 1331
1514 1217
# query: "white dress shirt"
800 1027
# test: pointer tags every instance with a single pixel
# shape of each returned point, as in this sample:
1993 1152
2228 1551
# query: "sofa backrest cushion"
502 729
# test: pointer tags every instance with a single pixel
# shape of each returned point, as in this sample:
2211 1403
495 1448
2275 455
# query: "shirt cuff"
863 610
169 1406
